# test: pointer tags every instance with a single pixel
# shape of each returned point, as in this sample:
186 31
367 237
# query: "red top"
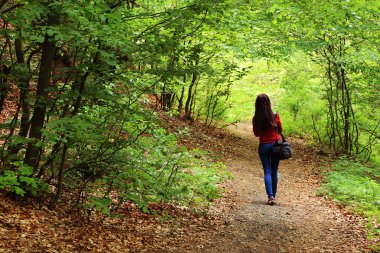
269 136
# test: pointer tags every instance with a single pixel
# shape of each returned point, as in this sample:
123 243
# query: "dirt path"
300 222
238 222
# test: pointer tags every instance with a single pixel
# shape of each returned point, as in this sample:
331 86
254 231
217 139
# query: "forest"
85 85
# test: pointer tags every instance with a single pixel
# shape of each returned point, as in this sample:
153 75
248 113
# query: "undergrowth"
357 187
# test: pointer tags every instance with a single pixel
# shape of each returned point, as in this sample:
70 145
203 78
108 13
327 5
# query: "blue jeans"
270 165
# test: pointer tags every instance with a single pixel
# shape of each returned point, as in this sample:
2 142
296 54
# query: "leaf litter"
238 222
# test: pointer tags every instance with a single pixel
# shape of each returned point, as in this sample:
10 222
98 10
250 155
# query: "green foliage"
263 77
294 89
356 186
301 103
338 36
21 181
99 204
156 170
214 93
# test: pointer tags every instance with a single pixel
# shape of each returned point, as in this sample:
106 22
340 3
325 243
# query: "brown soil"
238 222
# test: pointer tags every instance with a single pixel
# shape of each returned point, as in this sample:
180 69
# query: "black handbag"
282 150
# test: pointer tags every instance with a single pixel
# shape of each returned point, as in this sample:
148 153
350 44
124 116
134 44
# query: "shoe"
271 201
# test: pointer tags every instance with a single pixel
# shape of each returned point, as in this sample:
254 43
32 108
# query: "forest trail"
299 222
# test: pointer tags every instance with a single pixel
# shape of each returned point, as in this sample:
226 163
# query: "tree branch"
10 8
2 3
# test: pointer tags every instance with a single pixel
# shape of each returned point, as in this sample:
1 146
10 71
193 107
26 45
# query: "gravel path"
300 222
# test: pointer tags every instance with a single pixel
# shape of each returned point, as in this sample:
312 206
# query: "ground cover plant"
357 187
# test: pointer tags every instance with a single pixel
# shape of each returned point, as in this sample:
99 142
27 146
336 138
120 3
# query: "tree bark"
2 3
38 119
189 97
60 178
180 101
4 88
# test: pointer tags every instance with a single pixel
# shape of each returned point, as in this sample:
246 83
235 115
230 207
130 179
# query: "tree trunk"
192 102
189 97
180 101
60 178
80 88
37 121
4 86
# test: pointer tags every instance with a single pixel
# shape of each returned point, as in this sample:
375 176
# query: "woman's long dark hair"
264 117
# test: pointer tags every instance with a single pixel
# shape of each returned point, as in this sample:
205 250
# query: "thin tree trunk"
4 86
60 178
4 74
78 101
189 97
192 102
180 101
346 115
22 81
12 127
23 84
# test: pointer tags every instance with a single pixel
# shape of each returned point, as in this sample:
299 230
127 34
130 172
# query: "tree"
81 70
340 36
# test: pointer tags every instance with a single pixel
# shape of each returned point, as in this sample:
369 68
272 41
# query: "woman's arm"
278 122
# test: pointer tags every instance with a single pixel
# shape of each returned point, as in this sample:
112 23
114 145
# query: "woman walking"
267 126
